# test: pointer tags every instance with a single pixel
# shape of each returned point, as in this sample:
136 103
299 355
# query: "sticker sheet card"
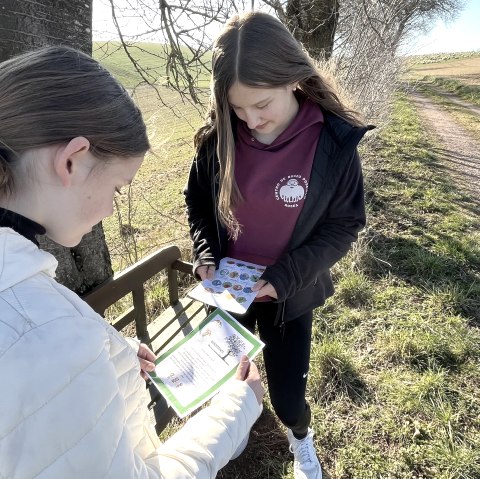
195 368
231 287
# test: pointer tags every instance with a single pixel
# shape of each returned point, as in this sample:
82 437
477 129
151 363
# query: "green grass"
395 373
151 213
153 210
470 93
146 63
334 373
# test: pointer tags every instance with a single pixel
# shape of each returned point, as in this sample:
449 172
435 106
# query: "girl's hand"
264 289
205 272
147 360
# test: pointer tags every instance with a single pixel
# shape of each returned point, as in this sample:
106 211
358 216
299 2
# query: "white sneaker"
305 460
241 447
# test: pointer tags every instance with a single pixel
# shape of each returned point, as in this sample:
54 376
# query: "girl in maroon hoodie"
277 181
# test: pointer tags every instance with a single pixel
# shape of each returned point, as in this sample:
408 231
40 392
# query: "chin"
66 242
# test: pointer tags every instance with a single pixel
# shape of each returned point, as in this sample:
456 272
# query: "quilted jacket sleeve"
77 409
64 414
208 440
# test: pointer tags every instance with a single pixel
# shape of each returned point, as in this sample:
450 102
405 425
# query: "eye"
263 106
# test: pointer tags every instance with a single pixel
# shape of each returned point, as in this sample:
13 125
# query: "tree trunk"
313 22
28 24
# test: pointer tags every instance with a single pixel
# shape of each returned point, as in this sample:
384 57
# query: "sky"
461 34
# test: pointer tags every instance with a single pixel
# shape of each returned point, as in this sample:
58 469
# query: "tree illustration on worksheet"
235 346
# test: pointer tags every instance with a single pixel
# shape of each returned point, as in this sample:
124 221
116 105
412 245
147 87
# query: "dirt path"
458 149
454 99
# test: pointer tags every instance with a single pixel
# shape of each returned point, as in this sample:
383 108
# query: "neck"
26 208
265 139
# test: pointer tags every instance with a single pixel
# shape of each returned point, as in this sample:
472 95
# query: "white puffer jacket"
72 402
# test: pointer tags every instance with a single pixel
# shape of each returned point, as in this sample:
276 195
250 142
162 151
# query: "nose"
253 120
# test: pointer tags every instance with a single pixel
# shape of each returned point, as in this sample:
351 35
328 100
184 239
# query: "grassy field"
455 73
151 213
150 58
456 65
395 370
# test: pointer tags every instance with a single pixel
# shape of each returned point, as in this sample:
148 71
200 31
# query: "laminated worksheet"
196 367
231 287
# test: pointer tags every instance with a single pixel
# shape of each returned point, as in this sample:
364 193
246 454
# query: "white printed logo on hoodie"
291 190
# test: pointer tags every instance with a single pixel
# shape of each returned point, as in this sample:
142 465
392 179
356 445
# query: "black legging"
287 356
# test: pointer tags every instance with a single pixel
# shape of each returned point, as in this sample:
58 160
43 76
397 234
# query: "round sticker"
241 299
227 284
216 282
244 276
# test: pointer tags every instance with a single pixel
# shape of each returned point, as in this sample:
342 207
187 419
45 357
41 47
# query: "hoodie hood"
20 259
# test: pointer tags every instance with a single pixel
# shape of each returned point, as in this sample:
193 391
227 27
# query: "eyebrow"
266 100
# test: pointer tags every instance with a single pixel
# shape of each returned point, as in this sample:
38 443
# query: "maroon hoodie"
273 180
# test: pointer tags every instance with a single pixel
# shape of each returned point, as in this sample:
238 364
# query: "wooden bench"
159 333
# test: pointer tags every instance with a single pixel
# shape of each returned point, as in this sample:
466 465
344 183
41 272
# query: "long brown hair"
54 94
257 50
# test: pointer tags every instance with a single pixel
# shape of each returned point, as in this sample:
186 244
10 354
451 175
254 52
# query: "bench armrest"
131 280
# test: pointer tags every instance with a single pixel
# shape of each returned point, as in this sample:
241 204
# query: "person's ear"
68 157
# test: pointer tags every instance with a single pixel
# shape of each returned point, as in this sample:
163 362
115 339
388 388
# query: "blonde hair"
256 50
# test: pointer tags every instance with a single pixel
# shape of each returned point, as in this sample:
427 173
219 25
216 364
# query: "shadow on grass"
266 454
335 386
419 266
334 375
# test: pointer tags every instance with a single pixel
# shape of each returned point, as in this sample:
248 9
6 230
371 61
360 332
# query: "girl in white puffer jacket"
73 404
